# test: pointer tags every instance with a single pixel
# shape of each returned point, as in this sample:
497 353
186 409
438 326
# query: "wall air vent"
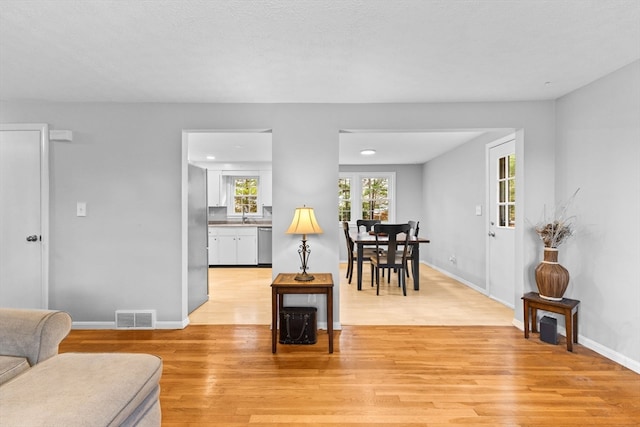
135 319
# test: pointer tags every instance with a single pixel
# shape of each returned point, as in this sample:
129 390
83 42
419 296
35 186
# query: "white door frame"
44 199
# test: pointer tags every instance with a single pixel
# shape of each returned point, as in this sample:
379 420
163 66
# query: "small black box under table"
549 330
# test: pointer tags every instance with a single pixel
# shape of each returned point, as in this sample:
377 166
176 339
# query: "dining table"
364 239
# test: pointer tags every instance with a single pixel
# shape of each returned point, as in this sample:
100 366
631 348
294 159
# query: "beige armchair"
28 337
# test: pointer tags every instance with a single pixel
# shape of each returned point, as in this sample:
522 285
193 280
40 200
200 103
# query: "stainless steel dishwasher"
264 245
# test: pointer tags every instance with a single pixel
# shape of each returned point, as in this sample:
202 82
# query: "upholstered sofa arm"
34 334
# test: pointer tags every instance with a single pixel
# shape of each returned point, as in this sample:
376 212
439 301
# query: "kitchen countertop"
249 223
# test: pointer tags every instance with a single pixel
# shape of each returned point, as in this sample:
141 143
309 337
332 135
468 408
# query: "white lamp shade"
304 222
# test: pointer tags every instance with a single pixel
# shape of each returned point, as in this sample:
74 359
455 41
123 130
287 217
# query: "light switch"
81 209
478 210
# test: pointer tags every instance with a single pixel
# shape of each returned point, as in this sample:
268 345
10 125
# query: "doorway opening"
221 229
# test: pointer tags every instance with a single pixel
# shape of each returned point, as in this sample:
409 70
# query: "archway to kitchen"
229 220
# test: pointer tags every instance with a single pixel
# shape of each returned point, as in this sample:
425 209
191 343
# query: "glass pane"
512 190
501 168
512 165
381 211
512 216
344 216
502 194
374 188
344 210
502 216
344 188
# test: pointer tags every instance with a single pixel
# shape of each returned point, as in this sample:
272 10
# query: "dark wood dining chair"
367 224
352 253
392 258
415 226
415 230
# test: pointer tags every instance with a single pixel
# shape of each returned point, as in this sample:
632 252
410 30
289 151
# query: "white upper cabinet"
265 188
214 187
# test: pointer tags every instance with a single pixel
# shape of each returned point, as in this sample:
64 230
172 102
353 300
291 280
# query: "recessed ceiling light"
211 157
368 152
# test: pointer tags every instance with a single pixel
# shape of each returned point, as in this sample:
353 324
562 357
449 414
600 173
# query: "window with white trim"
366 195
245 195
507 191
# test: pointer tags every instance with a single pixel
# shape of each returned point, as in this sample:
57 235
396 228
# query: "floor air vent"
135 319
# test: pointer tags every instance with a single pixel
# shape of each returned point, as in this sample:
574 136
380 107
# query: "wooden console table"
568 307
285 283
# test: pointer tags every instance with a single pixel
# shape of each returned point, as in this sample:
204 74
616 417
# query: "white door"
23 219
501 228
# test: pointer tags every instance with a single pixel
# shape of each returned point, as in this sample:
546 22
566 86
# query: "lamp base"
304 277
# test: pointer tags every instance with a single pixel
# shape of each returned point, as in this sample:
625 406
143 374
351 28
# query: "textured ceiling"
334 51
310 50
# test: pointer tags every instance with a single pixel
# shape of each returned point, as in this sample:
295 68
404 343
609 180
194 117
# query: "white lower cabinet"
233 246
213 246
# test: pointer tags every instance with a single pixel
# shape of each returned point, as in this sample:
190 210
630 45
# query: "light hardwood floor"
378 375
243 296
402 375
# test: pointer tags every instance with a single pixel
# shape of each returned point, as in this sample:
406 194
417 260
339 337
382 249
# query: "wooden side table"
285 283
568 307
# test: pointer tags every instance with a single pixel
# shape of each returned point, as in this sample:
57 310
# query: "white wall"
596 149
125 162
454 184
598 146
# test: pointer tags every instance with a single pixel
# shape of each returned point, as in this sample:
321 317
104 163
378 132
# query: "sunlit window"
507 191
366 196
245 195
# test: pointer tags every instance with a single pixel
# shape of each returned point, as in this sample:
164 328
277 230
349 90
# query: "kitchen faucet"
244 214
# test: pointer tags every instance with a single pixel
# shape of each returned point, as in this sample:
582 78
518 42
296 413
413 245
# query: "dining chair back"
367 224
350 248
391 237
352 254
415 230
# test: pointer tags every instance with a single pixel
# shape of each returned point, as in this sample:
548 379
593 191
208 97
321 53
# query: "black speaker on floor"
549 330
298 325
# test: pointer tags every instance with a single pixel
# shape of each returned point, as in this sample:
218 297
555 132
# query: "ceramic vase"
552 278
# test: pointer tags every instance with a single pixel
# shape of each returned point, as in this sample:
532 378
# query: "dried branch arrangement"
556 230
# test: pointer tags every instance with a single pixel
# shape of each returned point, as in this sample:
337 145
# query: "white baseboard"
621 359
518 324
456 278
172 325
112 325
93 325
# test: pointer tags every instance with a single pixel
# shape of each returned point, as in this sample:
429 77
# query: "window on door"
245 195
507 191
366 196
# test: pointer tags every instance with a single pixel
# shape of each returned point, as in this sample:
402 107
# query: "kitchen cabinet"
233 245
266 192
247 246
213 246
214 188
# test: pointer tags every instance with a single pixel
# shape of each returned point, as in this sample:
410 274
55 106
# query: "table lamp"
304 222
